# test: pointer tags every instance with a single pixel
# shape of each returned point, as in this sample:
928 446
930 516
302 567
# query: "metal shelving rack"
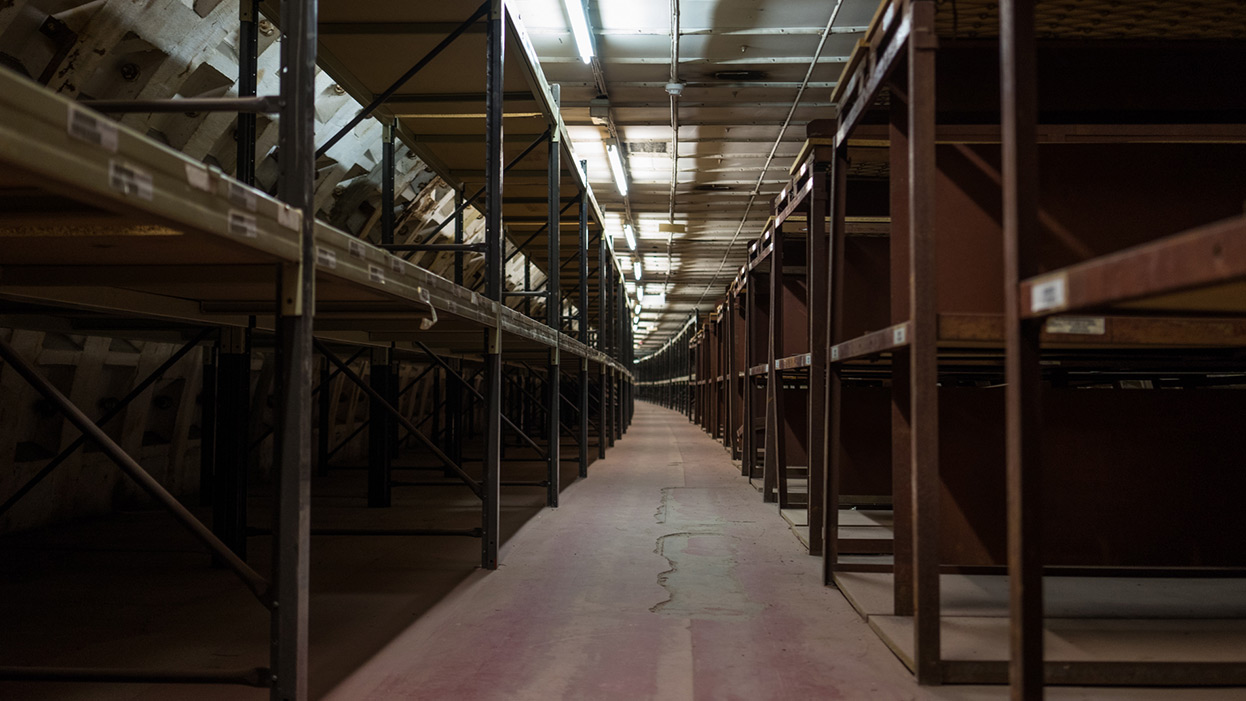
1008 302
145 237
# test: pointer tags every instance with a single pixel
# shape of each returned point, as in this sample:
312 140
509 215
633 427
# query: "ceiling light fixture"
579 28
616 167
630 234
637 270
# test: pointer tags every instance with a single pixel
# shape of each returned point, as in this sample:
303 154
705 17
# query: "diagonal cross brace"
103 420
402 420
468 202
402 80
254 581
450 371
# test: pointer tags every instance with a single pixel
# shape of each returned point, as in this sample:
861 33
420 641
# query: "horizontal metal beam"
390 28
717 31
398 99
737 85
701 61
269 104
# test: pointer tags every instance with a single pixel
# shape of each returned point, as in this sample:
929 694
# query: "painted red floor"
662 576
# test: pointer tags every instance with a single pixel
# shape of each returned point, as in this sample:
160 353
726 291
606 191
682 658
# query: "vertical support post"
324 419
387 182
458 237
495 53
775 467
605 434
818 285
296 187
454 415
207 426
923 348
437 407
583 328
248 72
1023 396
233 394
379 431
553 310
833 333
901 405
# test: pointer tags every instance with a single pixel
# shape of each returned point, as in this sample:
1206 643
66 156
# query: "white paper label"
326 258
1049 294
376 275
357 250
395 265
899 336
1079 325
129 180
197 177
241 196
242 224
92 129
808 358
289 217
834 352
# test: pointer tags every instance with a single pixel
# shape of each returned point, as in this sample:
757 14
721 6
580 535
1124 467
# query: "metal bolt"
130 72
339 191
338 89
266 28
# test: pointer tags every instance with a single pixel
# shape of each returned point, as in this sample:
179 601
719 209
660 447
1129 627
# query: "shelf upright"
296 187
553 311
495 58
1023 395
582 321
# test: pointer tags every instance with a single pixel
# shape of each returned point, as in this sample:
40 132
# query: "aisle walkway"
662 576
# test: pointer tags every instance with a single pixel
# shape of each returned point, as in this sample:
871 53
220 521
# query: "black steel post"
604 322
387 182
379 432
207 426
495 53
583 326
324 419
248 71
458 237
454 413
296 187
553 309
233 395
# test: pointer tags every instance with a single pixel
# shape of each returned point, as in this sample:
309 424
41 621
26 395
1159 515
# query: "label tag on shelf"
376 275
834 352
1049 294
241 224
899 335
357 249
129 180
84 126
395 265
197 177
1080 325
326 258
241 196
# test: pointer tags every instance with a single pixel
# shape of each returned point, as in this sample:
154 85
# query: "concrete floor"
662 576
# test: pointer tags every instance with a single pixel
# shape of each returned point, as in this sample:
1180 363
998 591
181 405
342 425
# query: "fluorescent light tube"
579 28
636 270
616 167
630 233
